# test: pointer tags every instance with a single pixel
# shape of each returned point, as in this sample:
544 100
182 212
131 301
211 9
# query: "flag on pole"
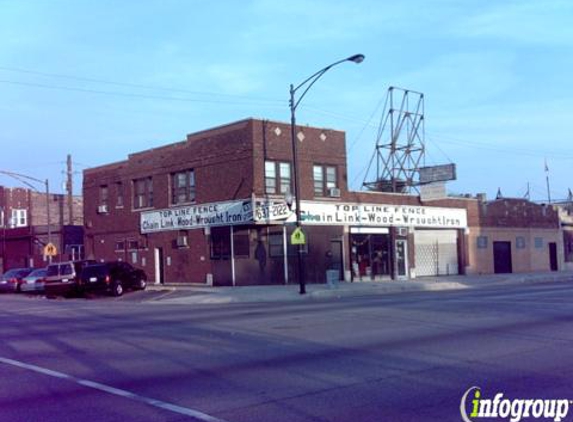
546 168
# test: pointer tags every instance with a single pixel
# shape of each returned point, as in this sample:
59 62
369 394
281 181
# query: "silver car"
34 282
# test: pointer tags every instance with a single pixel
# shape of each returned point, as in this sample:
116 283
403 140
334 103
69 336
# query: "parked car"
113 277
11 280
63 278
34 282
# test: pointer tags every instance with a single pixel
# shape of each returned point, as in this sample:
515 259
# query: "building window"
183 187
132 245
103 195
278 177
241 243
220 243
520 242
324 179
119 192
482 242
276 248
270 177
120 246
19 218
538 241
182 239
143 193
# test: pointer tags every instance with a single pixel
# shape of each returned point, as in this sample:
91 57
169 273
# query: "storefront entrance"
370 254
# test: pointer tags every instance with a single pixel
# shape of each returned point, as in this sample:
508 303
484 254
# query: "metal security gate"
436 252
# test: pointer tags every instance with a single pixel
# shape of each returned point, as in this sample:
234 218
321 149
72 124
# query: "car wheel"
117 289
142 284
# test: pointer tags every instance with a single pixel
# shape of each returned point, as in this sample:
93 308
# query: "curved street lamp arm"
316 77
20 177
357 58
24 179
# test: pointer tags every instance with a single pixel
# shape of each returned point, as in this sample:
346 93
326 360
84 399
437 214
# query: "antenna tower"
400 143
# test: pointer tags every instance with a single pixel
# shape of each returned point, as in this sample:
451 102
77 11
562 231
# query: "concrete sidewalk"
190 294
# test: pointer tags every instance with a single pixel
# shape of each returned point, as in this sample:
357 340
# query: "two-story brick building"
212 209
24 227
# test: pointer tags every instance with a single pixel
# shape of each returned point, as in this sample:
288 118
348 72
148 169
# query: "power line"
131 85
133 95
439 149
357 138
517 151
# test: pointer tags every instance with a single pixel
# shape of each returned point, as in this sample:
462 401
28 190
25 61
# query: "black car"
113 277
63 278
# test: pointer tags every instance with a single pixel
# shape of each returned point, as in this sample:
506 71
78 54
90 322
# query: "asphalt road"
401 357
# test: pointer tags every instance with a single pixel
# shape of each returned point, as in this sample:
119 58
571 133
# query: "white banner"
312 213
382 215
197 216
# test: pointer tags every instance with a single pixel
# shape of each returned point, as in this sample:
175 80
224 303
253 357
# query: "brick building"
514 235
212 209
24 227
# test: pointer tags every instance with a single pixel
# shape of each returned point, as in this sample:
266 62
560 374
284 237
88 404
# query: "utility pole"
69 190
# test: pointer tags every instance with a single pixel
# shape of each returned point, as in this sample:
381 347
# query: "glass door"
401 259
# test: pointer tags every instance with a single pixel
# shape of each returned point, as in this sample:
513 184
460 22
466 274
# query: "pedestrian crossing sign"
298 237
50 250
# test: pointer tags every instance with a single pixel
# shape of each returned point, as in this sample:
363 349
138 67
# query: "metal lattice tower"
399 143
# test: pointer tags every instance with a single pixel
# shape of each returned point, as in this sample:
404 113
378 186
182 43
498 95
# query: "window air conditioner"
182 241
402 231
334 192
102 209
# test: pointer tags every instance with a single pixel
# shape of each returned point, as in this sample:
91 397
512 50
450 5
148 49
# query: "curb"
206 295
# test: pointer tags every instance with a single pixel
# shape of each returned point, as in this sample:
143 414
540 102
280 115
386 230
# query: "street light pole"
357 58
48 217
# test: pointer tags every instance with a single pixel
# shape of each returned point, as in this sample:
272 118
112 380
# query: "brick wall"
59 211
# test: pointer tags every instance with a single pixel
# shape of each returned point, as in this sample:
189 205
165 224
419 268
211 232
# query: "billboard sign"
441 173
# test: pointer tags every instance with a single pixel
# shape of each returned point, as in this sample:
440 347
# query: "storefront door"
158 258
370 255
336 258
401 259
553 256
502 257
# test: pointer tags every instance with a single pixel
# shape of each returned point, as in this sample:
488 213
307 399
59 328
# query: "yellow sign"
50 250
298 237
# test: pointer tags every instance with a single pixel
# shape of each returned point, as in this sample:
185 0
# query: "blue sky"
103 79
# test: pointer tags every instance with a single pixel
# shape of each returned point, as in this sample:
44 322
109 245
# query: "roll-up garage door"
436 252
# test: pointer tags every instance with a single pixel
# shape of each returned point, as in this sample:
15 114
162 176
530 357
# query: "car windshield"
52 270
19 272
66 269
40 272
11 273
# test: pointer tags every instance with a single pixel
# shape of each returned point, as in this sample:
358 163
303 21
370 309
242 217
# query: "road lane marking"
115 391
